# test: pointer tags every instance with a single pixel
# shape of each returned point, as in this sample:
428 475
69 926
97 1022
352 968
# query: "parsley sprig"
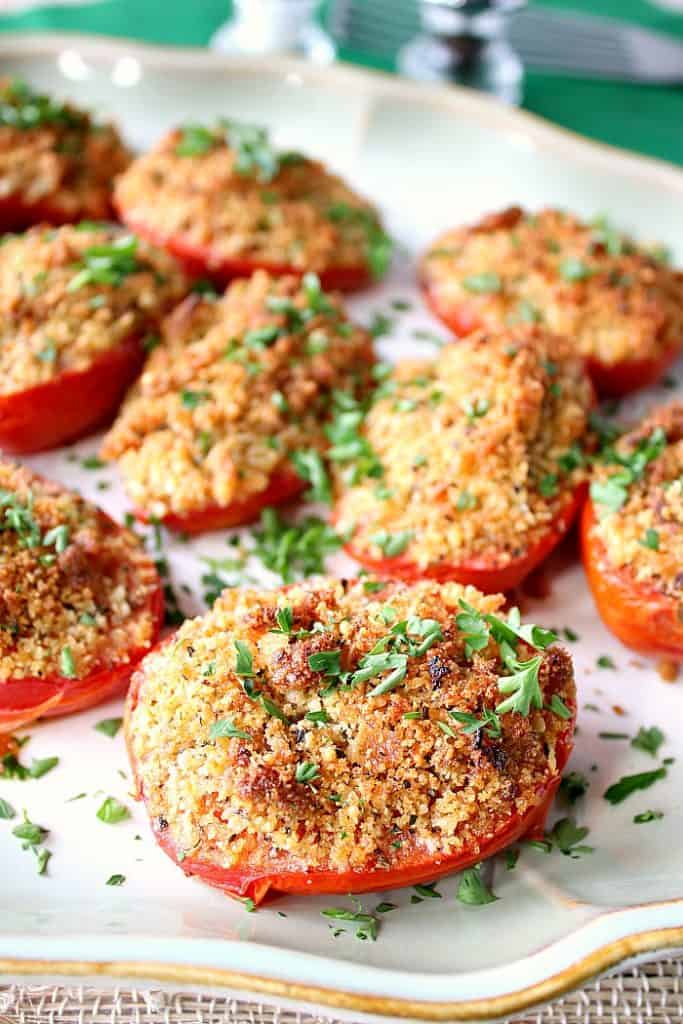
613 492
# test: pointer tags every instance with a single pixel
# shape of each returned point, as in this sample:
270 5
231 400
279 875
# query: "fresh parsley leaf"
628 784
6 810
574 785
472 890
486 283
116 880
112 811
225 727
310 466
648 740
392 544
244 665
646 816
306 772
109 726
567 836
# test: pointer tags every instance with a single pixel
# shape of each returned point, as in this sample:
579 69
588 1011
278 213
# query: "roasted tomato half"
74 335
379 751
81 602
230 414
225 203
632 536
619 303
481 465
57 165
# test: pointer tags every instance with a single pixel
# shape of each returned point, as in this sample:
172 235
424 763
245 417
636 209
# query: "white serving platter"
430 157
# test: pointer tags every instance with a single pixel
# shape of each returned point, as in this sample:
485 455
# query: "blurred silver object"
465 41
561 42
260 27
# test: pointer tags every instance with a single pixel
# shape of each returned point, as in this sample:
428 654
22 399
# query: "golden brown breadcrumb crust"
239 383
616 301
50 323
68 164
645 535
386 786
70 578
480 450
305 217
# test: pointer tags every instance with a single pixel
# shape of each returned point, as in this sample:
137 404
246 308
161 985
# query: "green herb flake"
486 283
6 810
225 727
67 665
574 270
646 816
109 726
112 811
116 880
472 890
392 544
628 784
648 740
306 772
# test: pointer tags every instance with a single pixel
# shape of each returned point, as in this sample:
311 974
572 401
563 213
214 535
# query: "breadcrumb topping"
645 535
71 580
308 775
481 449
239 384
57 316
615 300
55 155
286 211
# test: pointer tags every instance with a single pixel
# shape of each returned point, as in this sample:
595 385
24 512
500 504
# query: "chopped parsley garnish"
378 245
108 263
548 485
326 662
476 408
613 492
511 858
472 890
650 539
348 447
567 837
23 108
522 684
193 399
368 925
244 665
306 772
466 501
109 726
380 325
604 661
112 811
292 549
116 880
392 544
427 891
6 810
310 466
648 740
574 270
573 786
558 707
628 784
646 816
489 722
485 283
67 665
226 727
195 140
31 836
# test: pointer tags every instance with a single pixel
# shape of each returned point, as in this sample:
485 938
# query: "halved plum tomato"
642 617
82 601
72 404
485 574
24 700
203 261
620 306
337 769
283 487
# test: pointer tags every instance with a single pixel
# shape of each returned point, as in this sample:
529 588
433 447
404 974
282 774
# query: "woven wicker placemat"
649 994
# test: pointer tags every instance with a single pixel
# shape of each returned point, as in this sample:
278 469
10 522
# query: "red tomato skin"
24 700
480 572
610 381
282 487
199 261
640 616
71 405
17 215
262 884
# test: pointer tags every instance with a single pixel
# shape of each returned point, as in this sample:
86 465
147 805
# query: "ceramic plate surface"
430 158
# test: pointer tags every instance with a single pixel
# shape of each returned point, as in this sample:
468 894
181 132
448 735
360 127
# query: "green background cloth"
642 117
